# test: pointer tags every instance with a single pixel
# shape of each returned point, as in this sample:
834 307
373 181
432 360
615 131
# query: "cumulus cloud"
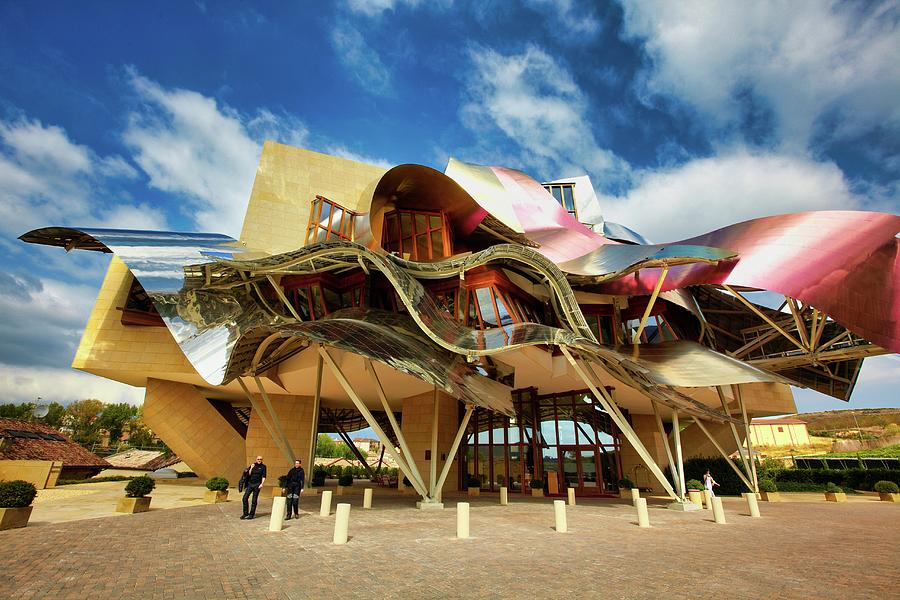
705 194
534 101
24 384
203 152
813 69
361 60
48 179
575 20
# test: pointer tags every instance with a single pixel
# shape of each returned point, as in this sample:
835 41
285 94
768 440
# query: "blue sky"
152 114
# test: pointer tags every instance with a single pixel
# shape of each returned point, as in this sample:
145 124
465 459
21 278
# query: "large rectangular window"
420 236
564 193
329 221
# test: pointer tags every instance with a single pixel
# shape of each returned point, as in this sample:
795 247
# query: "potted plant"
625 487
537 488
768 490
278 490
344 484
136 499
15 503
318 478
695 491
888 491
833 493
474 485
216 490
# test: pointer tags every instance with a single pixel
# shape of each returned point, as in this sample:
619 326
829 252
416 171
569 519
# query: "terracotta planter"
474 491
277 492
696 496
133 505
215 496
625 493
835 496
770 496
12 518
344 490
889 497
537 493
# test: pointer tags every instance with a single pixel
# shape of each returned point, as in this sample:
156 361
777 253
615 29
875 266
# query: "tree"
20 412
81 419
326 447
115 417
55 414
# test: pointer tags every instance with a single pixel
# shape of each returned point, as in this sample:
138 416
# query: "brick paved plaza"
797 550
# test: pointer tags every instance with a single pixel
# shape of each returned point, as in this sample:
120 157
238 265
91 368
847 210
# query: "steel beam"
736 390
662 433
314 429
262 417
367 415
653 296
454 447
731 464
274 416
679 465
762 316
432 475
412 471
613 410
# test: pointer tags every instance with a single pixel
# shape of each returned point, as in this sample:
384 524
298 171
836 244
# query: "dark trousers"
293 504
251 490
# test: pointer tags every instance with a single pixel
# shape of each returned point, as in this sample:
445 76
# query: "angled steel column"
676 428
412 471
314 429
621 423
432 475
722 452
454 447
367 415
736 390
356 452
262 417
275 420
662 433
659 282
734 433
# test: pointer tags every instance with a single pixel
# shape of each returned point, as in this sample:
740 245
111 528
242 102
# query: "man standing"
294 486
254 476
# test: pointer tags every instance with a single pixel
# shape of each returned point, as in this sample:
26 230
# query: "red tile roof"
65 450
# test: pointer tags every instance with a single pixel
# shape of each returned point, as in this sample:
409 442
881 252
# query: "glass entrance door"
579 469
588 472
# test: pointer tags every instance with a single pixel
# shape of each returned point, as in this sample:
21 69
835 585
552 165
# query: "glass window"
505 317
486 307
557 193
568 198
548 431
421 235
329 221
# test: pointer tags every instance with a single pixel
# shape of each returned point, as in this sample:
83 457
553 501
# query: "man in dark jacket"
293 486
254 476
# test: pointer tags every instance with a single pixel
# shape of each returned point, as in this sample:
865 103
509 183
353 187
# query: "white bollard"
341 523
643 515
504 497
571 493
707 498
367 498
718 511
559 508
752 504
635 495
462 520
279 506
325 508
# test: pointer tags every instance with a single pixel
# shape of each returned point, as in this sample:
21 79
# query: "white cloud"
534 101
709 193
24 384
575 21
374 8
360 59
822 68
47 179
192 147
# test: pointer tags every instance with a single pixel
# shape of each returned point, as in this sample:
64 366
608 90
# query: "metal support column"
734 433
665 438
314 429
257 409
653 296
676 429
275 420
367 415
613 410
736 390
432 475
731 464
454 447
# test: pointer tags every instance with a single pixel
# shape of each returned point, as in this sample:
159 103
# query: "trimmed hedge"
857 479
217 484
16 493
140 486
729 483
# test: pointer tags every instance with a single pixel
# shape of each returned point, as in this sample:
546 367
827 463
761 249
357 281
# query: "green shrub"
346 480
694 484
473 482
794 486
832 488
887 487
626 483
536 484
16 493
729 482
857 479
767 485
282 481
93 480
892 429
318 478
140 486
217 484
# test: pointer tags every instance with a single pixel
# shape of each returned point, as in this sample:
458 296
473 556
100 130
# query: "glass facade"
565 440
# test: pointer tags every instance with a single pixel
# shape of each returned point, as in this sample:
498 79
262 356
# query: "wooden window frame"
393 220
344 230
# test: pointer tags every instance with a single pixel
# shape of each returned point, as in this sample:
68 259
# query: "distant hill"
844 419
